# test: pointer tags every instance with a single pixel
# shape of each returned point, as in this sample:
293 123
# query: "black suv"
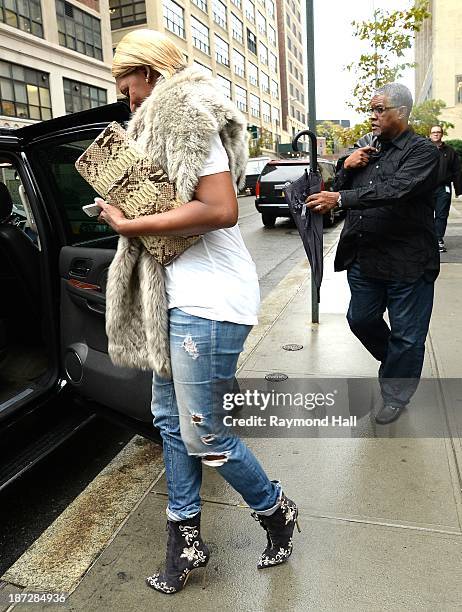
276 176
53 266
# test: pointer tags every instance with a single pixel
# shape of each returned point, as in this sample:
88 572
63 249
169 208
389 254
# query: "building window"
298 115
303 117
249 10
289 43
78 30
275 115
174 18
274 88
459 89
266 111
270 8
221 51
291 69
225 84
298 17
288 19
297 94
200 35
273 63
253 74
239 63
299 37
302 98
263 54
219 13
202 4
205 69
251 42
296 72
254 105
265 83
292 111
25 15
237 3
261 23
272 35
291 89
125 13
24 92
237 28
241 98
80 96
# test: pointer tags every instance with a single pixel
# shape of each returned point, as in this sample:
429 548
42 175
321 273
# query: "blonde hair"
147 48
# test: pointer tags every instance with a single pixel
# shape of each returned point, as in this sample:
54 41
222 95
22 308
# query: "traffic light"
253 129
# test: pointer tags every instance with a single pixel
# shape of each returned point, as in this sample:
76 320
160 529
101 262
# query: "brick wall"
93 4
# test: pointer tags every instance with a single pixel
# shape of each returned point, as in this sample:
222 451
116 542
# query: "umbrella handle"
314 146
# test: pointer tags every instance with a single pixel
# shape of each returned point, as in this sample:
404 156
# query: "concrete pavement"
381 514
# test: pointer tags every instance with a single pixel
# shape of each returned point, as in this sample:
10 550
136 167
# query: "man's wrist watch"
339 200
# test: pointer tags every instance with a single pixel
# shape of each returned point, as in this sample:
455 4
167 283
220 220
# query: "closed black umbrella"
309 224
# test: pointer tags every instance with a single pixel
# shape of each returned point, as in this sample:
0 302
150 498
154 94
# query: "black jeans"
442 203
400 348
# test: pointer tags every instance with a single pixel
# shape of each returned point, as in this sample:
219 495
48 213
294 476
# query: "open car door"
85 249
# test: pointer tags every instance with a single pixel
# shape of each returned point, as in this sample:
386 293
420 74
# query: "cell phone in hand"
92 210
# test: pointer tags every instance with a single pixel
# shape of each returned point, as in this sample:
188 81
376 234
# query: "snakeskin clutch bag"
126 178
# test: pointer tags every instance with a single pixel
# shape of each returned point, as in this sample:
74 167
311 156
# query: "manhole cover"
292 347
276 377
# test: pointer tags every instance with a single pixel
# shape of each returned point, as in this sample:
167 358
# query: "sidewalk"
381 518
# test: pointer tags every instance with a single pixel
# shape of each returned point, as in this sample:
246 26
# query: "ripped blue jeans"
204 356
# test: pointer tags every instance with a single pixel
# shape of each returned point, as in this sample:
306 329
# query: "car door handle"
95 307
77 284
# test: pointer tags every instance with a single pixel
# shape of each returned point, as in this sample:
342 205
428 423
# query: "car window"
70 190
284 172
10 178
255 166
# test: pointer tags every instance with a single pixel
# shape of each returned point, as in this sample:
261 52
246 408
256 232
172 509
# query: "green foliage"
264 141
348 136
457 145
326 129
389 35
424 116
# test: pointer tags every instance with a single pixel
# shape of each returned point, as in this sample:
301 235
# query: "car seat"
19 255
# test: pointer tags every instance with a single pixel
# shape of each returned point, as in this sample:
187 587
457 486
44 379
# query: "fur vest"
174 125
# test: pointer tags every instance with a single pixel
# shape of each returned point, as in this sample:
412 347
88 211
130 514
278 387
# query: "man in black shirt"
388 244
448 172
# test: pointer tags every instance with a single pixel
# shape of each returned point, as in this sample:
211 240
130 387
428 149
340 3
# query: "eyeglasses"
379 110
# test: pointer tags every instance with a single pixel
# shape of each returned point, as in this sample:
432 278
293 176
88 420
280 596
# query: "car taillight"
257 189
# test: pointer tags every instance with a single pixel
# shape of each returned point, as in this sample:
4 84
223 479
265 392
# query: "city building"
291 28
234 40
55 58
438 56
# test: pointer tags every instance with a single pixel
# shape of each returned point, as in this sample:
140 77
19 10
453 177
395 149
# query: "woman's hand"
112 216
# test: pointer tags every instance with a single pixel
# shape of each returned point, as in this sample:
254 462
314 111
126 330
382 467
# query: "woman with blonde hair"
207 299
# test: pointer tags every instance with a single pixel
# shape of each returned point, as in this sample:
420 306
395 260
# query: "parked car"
253 170
276 176
53 266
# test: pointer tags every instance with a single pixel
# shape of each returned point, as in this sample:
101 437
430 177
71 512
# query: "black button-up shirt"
389 226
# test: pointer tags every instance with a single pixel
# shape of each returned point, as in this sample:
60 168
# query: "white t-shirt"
216 277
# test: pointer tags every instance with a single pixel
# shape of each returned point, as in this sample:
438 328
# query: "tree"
457 145
389 35
346 137
326 130
424 116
